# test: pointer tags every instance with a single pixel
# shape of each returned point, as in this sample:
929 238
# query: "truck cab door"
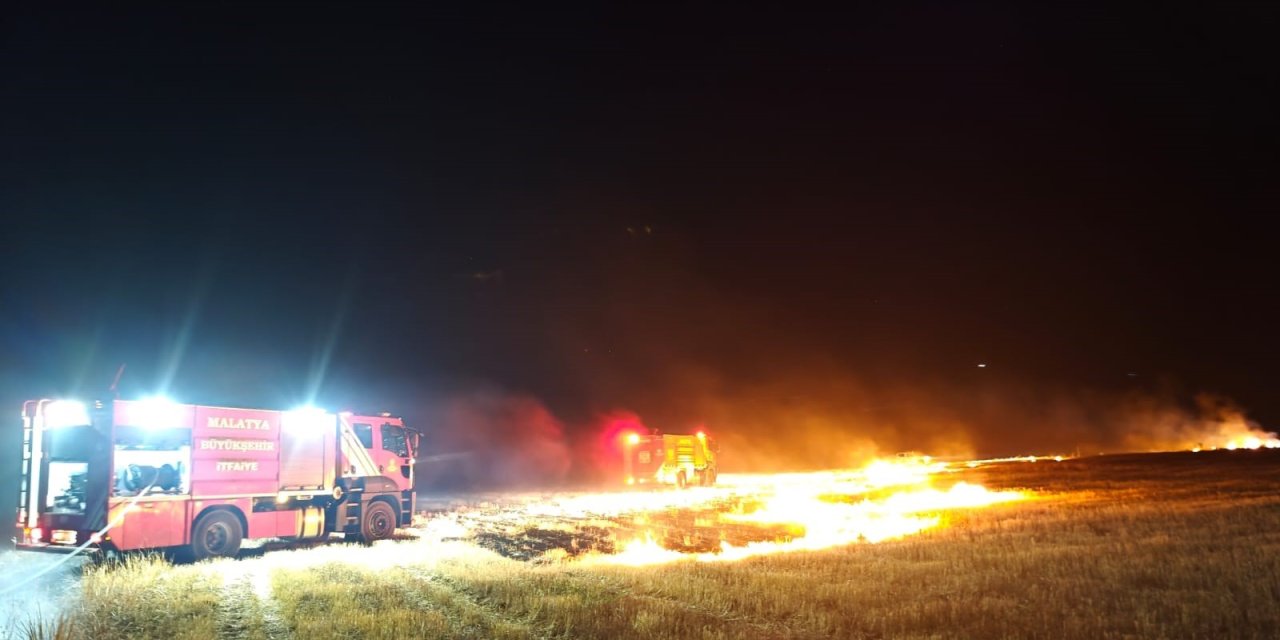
357 446
395 455
377 446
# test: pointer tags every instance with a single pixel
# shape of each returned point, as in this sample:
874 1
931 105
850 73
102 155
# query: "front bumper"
59 540
46 547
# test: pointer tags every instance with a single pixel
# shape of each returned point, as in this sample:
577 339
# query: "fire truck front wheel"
216 534
378 523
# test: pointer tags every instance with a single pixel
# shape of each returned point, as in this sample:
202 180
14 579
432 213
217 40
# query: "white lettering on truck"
227 444
236 465
252 424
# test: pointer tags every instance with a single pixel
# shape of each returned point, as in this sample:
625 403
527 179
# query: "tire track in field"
425 579
246 591
760 628
737 626
234 611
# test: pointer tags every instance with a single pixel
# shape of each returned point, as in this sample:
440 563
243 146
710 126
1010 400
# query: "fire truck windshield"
393 440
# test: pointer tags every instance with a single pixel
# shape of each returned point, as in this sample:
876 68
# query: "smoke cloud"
1214 423
820 418
489 439
494 439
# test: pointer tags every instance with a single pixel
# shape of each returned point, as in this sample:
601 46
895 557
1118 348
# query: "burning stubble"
744 515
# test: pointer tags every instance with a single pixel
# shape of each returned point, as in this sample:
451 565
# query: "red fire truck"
153 474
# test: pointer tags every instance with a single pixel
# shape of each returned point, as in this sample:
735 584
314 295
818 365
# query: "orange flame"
822 508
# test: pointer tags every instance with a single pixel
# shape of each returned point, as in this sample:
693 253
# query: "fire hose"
80 549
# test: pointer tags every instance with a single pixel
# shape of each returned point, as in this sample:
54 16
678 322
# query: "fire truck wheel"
378 523
682 480
216 534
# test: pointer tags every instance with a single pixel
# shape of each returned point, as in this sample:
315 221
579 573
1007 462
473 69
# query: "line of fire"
199 481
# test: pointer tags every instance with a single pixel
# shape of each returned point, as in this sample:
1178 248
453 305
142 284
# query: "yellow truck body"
670 459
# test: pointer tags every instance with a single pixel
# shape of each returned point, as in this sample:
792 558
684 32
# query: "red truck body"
131 475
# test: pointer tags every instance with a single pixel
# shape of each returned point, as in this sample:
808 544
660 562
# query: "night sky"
803 229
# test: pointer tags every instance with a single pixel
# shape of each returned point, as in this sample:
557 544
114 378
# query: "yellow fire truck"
670 459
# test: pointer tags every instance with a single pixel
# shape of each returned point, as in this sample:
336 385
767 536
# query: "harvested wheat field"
1178 545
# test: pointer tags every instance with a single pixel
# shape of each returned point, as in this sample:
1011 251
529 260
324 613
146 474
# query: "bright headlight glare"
308 419
158 413
65 413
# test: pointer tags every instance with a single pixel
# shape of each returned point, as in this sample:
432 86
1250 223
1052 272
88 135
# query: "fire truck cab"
670 459
155 474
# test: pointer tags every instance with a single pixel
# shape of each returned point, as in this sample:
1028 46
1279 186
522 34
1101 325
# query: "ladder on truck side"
24 483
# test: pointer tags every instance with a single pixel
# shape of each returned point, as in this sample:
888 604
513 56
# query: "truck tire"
378 522
216 534
682 481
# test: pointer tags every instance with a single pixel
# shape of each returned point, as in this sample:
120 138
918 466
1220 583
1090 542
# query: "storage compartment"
307 455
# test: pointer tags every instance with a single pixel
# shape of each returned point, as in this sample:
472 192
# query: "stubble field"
1177 545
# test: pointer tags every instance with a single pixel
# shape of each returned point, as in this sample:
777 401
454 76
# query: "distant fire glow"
1237 435
1215 424
1253 442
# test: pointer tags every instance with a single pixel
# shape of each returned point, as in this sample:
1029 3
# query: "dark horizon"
780 225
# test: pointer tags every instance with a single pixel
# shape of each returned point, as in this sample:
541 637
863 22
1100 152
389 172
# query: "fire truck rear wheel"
682 480
378 523
216 534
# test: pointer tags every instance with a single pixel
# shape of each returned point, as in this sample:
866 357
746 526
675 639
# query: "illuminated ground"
742 516
1170 545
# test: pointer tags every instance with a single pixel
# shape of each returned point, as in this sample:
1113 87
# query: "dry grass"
1170 546
146 597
